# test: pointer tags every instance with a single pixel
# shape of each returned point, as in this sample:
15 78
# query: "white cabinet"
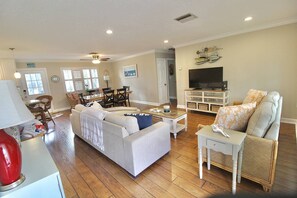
42 176
206 100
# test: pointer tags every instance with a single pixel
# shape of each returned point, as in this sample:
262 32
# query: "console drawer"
219 147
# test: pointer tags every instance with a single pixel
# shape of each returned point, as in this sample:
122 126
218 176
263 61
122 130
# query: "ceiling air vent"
186 18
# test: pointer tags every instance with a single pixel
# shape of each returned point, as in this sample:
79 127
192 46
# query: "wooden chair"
106 89
39 114
120 98
127 94
83 101
45 104
73 99
108 98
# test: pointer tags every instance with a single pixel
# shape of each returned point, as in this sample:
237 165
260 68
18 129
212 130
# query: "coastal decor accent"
130 71
208 54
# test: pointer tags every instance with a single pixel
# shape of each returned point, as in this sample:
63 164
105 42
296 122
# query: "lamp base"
13 185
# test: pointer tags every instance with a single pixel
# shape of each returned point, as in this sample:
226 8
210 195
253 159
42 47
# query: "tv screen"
202 78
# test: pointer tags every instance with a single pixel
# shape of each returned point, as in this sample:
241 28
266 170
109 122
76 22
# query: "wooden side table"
229 146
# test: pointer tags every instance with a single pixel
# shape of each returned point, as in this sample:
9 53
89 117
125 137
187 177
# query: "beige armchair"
260 153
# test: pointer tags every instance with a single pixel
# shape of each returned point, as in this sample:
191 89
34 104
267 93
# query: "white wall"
265 60
7 69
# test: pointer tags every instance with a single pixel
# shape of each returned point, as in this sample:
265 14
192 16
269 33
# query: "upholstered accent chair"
261 143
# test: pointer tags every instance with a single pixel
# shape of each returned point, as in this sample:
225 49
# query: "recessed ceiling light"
108 31
166 41
248 18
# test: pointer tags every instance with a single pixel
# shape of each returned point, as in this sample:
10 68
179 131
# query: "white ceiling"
51 30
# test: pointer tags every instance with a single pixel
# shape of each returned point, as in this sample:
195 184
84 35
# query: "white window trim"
75 68
38 69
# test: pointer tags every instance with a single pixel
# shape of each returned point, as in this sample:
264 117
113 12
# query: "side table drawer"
219 147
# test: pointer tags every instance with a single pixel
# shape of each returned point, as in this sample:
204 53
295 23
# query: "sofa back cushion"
143 120
235 117
254 96
79 107
264 115
128 122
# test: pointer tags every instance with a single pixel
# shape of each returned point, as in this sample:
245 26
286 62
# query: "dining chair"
39 114
120 98
108 98
127 94
83 101
45 104
73 99
106 89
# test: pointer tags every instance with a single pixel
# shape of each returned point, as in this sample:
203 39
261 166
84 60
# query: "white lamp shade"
96 61
105 77
17 75
13 110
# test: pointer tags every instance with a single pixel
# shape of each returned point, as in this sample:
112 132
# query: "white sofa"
131 148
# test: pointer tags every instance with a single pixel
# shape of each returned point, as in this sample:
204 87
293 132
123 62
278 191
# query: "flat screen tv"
206 78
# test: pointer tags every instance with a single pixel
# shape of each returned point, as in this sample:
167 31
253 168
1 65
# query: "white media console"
206 100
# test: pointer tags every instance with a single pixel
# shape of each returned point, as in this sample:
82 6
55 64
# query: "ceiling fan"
95 58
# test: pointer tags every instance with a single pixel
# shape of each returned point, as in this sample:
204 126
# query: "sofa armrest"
259 158
145 147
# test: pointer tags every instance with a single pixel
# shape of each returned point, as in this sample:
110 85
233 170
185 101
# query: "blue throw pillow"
143 120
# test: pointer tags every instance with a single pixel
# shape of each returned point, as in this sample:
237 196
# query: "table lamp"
12 112
106 78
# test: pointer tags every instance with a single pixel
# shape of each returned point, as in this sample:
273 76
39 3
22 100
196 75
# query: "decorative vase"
10 159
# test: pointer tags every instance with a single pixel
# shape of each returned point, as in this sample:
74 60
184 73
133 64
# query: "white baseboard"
146 102
60 109
172 97
289 120
181 106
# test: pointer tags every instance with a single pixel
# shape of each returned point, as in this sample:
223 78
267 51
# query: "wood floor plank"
172 188
191 187
112 184
80 187
153 188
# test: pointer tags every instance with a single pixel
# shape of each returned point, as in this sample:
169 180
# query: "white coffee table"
171 118
229 146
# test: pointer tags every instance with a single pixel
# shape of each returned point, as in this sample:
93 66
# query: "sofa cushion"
254 96
128 122
235 117
79 107
143 120
264 115
96 105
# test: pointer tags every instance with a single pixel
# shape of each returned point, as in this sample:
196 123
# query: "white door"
162 80
34 82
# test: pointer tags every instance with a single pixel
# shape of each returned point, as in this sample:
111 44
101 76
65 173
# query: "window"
34 84
80 79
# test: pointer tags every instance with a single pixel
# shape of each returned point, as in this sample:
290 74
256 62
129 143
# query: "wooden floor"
87 173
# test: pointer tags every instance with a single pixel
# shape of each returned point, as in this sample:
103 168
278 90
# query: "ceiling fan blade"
104 59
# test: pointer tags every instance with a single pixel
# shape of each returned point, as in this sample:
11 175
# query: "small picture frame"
130 71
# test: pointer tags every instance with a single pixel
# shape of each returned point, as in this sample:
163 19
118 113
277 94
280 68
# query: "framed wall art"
130 71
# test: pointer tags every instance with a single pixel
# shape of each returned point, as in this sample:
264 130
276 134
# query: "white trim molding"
181 106
289 120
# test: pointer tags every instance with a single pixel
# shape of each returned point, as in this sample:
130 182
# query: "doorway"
166 80
33 83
